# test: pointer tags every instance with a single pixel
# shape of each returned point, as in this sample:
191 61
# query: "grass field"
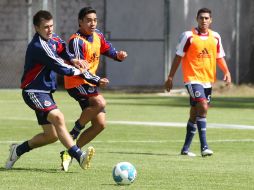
154 150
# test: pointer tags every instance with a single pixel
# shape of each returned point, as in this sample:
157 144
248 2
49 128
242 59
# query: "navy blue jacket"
45 58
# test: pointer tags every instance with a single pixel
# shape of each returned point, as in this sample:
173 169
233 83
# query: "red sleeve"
105 46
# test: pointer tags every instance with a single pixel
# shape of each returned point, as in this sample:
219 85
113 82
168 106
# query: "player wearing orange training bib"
199 50
88 44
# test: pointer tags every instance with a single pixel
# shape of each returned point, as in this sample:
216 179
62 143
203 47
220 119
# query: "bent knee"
56 117
99 103
103 126
51 138
99 127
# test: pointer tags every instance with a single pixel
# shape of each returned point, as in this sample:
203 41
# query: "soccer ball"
124 173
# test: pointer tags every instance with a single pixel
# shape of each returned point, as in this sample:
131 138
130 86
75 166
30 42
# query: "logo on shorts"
47 103
91 89
197 94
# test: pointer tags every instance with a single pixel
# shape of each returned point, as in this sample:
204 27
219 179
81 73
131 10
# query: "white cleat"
187 153
86 157
206 152
12 156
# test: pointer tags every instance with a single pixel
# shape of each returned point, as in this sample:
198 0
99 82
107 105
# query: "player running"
47 55
199 50
88 43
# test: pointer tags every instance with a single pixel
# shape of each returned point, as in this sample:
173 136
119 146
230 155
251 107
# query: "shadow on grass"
233 102
152 101
2 169
218 102
115 185
143 153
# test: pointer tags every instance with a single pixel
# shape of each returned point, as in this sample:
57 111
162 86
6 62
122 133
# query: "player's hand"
80 64
121 55
103 82
227 78
169 84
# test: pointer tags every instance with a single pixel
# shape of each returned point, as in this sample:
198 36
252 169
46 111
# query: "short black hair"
84 11
42 14
204 10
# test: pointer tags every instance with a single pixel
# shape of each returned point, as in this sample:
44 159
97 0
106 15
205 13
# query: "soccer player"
88 43
199 50
45 56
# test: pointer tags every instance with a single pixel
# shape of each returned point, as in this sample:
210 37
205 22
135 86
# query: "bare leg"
48 136
96 105
57 119
98 124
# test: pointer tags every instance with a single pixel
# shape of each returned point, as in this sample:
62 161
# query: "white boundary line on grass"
151 141
178 124
158 124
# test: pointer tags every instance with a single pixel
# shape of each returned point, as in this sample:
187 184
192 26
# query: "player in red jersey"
88 43
199 50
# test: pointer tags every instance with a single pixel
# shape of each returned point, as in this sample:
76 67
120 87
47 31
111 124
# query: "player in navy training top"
47 55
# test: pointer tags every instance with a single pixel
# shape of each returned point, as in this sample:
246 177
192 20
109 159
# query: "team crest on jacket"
197 94
91 89
47 103
54 46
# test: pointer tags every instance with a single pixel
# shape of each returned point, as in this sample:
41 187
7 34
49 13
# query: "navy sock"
23 148
190 132
75 152
201 123
76 130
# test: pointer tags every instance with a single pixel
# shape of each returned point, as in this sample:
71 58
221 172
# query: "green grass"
153 150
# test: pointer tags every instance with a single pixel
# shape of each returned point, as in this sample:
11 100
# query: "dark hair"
84 11
41 15
204 10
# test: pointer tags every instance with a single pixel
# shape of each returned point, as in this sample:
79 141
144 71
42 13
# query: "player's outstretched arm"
89 77
94 79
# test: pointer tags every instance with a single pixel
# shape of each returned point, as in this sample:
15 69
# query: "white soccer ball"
124 173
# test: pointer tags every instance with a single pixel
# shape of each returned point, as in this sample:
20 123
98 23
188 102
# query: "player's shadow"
2 169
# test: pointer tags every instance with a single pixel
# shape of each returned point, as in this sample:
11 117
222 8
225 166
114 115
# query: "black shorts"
41 103
198 93
82 94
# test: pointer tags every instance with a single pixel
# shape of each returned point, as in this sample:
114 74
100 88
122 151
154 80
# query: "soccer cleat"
86 157
12 157
187 153
66 160
206 152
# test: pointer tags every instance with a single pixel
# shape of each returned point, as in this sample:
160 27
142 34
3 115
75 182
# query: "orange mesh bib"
199 62
91 52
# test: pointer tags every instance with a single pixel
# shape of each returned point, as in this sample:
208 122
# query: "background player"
88 43
199 50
